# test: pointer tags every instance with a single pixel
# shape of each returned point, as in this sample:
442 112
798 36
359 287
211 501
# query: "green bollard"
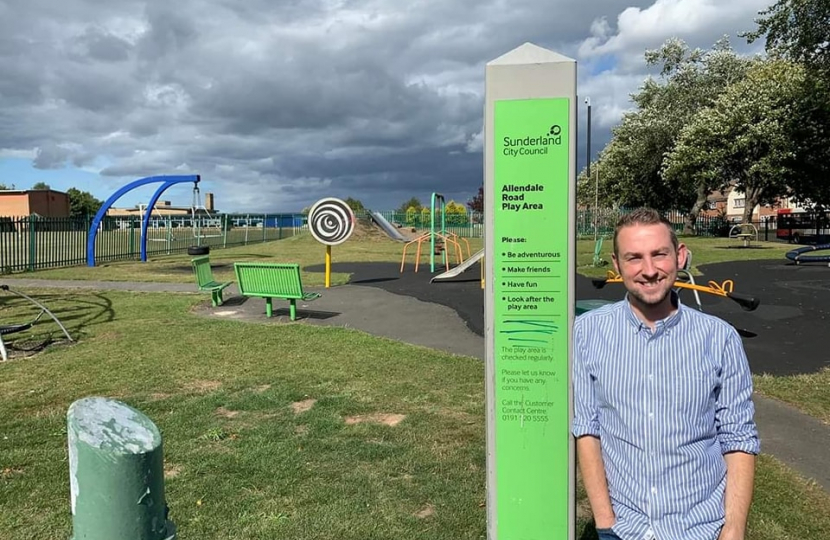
116 473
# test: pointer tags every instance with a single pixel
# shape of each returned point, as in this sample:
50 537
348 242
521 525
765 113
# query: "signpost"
530 197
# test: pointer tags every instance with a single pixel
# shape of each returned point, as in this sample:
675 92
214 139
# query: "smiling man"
663 416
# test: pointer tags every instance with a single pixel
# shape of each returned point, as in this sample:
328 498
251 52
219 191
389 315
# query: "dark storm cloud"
274 103
97 44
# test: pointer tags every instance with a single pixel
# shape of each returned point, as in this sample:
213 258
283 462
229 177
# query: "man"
663 416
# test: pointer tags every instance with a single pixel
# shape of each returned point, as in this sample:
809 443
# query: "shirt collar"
664 324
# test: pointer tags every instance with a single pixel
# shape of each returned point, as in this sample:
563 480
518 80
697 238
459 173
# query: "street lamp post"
588 171
588 149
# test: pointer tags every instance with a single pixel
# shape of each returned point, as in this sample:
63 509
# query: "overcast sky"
278 103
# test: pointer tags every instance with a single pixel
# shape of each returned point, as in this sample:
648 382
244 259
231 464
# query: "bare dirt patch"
388 419
301 430
159 396
226 413
171 470
303 406
9 472
425 512
202 386
262 388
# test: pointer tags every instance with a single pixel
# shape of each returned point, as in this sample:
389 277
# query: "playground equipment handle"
747 302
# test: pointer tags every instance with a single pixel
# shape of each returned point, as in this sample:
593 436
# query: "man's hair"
643 216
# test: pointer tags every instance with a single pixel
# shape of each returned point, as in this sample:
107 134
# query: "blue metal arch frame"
96 222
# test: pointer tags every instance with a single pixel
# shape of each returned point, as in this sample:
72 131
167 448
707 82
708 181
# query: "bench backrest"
201 267
281 279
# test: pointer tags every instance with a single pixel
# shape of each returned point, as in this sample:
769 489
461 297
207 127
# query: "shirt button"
651 415
653 489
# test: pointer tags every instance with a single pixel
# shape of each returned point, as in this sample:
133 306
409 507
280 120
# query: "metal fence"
467 224
31 243
706 226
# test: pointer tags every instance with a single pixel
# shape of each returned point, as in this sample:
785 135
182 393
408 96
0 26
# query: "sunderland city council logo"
533 146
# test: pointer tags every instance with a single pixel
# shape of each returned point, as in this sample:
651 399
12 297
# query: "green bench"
205 281
272 280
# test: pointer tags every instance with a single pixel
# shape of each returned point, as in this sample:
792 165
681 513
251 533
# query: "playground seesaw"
804 254
747 302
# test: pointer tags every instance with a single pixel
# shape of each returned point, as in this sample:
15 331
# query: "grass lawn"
302 249
810 393
276 431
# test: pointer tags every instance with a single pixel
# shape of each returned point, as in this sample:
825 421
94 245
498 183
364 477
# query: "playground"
355 350
358 397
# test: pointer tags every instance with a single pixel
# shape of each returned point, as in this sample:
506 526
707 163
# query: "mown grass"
302 249
242 463
808 392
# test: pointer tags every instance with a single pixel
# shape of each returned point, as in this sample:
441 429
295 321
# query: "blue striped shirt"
666 405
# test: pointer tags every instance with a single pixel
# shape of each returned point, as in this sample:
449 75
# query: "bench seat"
273 280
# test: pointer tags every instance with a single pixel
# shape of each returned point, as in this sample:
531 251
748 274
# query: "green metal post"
116 473
32 243
440 197
132 236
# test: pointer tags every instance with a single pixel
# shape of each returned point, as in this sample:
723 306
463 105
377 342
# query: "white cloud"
700 21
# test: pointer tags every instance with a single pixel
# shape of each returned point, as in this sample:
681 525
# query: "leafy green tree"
808 127
82 203
356 206
456 214
744 139
798 30
414 202
632 163
41 185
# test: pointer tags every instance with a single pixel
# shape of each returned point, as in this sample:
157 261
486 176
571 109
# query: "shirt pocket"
689 397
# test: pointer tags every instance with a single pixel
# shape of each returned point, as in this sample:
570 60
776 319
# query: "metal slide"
387 227
463 267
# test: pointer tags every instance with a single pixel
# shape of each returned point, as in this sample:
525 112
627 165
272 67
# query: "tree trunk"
691 217
751 200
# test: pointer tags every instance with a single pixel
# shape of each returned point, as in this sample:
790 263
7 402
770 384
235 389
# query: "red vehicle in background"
800 226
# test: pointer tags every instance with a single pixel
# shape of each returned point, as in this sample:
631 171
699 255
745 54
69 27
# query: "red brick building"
43 202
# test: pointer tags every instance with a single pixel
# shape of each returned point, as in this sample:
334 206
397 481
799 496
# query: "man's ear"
682 255
616 263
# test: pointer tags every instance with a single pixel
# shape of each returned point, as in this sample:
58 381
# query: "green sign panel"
532 418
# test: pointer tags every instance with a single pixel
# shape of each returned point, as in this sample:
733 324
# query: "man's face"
648 262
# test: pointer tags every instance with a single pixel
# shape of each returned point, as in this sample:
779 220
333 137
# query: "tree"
82 203
41 185
476 204
455 213
807 126
743 140
411 203
633 162
4 187
798 30
356 206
